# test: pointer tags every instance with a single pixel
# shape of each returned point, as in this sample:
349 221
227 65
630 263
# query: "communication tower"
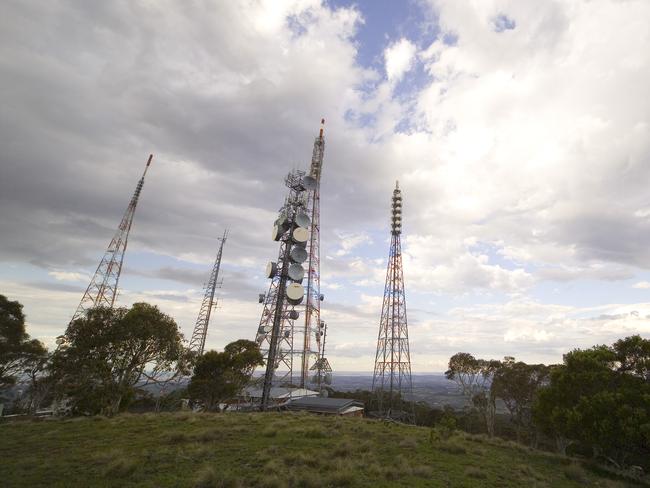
102 290
391 381
290 330
197 342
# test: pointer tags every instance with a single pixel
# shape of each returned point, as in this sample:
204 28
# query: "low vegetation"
238 450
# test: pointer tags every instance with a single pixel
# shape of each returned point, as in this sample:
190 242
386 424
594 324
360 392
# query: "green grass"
268 450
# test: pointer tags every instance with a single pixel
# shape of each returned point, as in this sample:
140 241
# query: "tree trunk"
490 414
115 405
562 443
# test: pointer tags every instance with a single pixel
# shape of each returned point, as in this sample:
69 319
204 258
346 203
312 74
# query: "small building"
327 406
279 394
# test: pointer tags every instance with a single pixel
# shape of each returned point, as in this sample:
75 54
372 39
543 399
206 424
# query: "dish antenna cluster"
290 324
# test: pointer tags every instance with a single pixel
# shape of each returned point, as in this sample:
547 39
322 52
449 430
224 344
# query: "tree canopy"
219 376
17 350
600 397
110 351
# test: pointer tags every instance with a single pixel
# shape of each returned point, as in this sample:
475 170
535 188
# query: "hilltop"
269 450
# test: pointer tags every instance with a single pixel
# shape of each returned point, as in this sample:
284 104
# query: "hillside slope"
271 449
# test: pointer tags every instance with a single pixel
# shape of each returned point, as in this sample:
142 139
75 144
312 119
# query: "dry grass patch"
120 467
475 472
178 438
452 447
409 443
423 471
577 473
209 477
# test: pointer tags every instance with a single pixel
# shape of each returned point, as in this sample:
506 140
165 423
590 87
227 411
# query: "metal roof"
280 392
323 404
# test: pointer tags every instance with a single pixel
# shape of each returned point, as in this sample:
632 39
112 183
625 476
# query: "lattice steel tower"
102 290
391 382
197 342
290 329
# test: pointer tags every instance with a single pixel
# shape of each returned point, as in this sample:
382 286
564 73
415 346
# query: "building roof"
319 404
280 393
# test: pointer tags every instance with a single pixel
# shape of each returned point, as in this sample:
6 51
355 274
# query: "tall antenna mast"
197 343
392 376
102 290
313 322
289 332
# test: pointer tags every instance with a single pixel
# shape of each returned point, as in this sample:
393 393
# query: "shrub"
447 425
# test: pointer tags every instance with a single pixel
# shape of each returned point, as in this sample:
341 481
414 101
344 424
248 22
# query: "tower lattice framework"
103 288
197 342
391 383
289 335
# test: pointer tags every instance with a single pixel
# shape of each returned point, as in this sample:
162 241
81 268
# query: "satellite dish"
267 329
303 220
286 334
298 255
282 222
309 182
293 314
271 269
300 236
296 272
321 297
295 293
261 330
277 233
261 297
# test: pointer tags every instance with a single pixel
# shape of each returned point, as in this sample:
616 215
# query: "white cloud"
399 58
68 276
524 161
643 285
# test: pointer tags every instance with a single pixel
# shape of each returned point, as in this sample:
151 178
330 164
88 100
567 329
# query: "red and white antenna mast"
102 290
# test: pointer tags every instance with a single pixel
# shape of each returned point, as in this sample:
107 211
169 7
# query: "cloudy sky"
519 132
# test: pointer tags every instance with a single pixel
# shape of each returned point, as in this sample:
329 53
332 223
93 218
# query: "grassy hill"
268 450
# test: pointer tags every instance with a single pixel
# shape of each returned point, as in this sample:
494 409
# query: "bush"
447 425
